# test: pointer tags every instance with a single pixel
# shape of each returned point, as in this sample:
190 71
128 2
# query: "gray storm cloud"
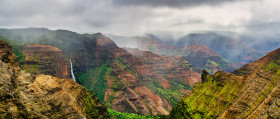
171 3
138 17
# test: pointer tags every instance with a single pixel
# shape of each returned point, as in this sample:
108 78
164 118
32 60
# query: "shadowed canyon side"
253 91
25 95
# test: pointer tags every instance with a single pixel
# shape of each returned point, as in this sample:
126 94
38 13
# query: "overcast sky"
137 17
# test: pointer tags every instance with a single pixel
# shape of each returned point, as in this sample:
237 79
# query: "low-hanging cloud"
137 17
170 3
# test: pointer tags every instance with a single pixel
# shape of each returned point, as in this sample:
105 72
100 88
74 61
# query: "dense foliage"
95 80
16 47
204 101
121 115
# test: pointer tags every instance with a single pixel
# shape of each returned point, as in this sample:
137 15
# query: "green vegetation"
152 85
92 107
16 47
96 80
176 83
240 72
157 89
272 66
224 63
25 35
18 52
121 63
264 93
173 94
187 65
117 85
124 65
32 69
205 100
213 62
122 115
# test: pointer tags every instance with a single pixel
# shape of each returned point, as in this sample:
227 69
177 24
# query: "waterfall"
72 73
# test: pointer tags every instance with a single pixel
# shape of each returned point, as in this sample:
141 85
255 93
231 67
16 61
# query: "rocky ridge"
253 94
25 95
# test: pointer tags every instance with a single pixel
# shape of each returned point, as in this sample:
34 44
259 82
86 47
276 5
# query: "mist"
169 20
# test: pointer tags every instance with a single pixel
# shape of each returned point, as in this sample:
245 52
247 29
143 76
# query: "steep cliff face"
79 48
45 59
165 67
25 95
253 94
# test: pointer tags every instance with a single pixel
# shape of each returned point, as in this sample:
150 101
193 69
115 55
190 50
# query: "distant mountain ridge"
208 59
230 48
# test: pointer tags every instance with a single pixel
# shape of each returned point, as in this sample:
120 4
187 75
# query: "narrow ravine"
72 73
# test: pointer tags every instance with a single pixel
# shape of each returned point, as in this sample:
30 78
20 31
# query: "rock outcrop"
253 94
25 95
45 59
7 55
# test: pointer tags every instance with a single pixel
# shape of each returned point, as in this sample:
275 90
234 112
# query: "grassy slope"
173 95
209 98
215 94
121 115
95 80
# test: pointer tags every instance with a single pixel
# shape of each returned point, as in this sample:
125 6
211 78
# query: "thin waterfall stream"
72 73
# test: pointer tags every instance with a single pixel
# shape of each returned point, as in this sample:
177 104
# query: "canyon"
157 79
25 95
123 81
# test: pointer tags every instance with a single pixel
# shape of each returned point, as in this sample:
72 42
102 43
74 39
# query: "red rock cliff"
46 59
